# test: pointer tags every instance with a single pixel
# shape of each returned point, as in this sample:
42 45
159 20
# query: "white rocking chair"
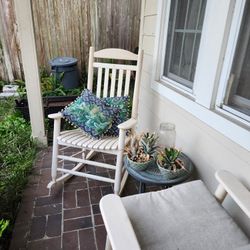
111 145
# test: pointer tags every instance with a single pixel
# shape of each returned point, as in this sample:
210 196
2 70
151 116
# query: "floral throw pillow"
90 114
123 106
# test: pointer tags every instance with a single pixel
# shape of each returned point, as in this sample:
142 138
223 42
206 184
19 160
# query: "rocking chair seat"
79 138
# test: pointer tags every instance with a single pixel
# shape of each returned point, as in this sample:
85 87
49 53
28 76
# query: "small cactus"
142 148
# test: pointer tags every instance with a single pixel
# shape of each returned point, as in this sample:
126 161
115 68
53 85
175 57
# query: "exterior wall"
208 149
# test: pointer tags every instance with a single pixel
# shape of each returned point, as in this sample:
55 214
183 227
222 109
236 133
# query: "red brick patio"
68 216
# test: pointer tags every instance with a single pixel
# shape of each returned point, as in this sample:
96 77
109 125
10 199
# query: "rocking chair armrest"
55 116
128 124
119 228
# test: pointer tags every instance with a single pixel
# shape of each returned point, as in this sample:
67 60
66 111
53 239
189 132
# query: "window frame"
223 90
202 101
165 12
188 84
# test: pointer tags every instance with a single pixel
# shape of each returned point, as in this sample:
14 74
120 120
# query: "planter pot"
51 104
170 174
140 166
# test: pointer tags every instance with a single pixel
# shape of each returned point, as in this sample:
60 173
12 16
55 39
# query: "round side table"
152 175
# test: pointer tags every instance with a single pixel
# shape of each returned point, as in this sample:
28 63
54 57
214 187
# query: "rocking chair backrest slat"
99 82
113 78
106 82
120 80
127 82
113 83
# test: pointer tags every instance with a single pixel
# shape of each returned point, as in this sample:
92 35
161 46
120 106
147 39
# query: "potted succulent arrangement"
141 152
170 164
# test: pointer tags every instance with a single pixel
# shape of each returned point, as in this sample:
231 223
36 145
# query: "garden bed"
51 104
17 154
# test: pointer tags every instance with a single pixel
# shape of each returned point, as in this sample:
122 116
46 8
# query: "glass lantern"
167 135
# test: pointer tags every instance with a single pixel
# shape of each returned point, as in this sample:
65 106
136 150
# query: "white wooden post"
30 67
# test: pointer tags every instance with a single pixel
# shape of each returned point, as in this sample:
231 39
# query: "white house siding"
208 149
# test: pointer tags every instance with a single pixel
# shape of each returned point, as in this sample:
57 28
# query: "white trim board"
229 129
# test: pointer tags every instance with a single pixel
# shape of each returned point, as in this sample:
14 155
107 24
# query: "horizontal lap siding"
69 28
209 149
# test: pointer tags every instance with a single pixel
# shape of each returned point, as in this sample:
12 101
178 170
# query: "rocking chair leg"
54 162
119 162
118 172
57 124
124 179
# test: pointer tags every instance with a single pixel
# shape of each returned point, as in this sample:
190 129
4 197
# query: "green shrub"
7 106
15 161
17 153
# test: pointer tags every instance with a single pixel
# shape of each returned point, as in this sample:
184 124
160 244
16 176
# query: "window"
237 95
201 62
183 40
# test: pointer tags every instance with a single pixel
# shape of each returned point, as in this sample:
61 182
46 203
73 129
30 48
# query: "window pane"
183 40
181 13
175 59
202 14
194 6
186 59
195 56
239 92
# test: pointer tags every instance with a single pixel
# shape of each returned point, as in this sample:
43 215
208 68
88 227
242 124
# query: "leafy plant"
50 85
169 159
3 226
7 106
21 88
148 143
2 83
142 148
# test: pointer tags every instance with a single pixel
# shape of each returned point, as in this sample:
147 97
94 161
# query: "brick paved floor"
68 216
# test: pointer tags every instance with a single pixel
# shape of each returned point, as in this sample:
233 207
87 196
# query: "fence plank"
69 28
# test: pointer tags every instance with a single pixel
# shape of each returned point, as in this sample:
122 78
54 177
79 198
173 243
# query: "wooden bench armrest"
117 223
229 184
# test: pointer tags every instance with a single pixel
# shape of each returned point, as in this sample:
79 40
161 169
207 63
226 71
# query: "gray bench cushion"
183 217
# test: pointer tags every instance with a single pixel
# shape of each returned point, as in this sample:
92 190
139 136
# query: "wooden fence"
68 28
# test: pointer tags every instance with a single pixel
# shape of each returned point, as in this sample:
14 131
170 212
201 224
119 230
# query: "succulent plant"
142 148
148 143
168 158
134 149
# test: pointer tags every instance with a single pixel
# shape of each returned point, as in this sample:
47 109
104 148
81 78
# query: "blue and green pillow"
90 113
96 116
123 106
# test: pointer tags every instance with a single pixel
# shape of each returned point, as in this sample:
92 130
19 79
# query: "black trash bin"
67 66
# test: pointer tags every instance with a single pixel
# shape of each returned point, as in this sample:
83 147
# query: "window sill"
228 128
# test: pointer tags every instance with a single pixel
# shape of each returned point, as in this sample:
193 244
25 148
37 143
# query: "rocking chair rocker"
111 145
